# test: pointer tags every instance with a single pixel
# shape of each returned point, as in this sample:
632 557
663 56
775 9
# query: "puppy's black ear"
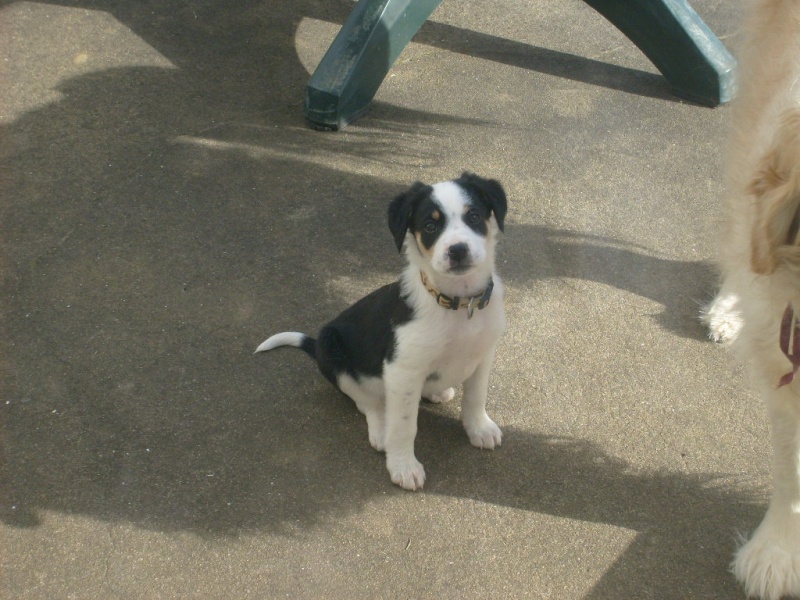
489 192
401 209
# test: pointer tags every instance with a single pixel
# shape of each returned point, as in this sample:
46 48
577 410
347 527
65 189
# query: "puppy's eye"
473 218
430 227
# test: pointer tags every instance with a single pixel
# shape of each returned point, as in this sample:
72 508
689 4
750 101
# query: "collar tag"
470 309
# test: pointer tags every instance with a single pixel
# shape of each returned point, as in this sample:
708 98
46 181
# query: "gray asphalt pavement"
165 208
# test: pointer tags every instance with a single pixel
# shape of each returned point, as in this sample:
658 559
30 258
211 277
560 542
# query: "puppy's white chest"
462 348
451 369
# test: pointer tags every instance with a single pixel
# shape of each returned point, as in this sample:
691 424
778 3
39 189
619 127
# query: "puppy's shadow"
682 287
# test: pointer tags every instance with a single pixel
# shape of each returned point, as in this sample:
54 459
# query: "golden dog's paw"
769 564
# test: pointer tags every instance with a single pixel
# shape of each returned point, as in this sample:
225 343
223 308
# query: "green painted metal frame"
668 32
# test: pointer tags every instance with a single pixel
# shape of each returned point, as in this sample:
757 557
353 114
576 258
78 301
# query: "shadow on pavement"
681 287
155 236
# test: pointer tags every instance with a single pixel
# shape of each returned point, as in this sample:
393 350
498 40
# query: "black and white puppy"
432 330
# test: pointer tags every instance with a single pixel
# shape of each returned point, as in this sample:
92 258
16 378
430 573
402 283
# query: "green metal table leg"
359 58
678 43
668 32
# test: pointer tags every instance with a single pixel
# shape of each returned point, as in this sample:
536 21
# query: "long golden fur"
761 274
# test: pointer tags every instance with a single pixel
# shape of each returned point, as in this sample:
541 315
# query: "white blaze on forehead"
451 197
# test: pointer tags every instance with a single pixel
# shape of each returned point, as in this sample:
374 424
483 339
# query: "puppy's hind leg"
443 396
369 400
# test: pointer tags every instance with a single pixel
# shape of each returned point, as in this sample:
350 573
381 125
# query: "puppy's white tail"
290 338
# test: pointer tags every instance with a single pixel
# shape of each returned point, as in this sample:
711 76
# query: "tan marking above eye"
436 215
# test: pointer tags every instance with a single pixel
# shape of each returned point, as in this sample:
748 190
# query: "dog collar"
790 343
479 301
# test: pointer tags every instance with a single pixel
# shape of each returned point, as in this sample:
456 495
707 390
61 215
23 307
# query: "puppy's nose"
457 252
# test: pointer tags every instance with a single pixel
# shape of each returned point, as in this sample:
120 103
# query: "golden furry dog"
757 306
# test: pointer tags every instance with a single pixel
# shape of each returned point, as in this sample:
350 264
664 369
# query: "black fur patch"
403 207
361 338
428 221
487 193
477 218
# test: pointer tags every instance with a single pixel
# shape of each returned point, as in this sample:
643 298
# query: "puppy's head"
775 189
450 225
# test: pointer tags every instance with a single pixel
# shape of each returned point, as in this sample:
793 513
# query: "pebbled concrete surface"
165 208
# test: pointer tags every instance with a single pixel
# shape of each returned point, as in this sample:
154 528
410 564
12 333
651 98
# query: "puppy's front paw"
769 564
406 472
444 396
484 433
